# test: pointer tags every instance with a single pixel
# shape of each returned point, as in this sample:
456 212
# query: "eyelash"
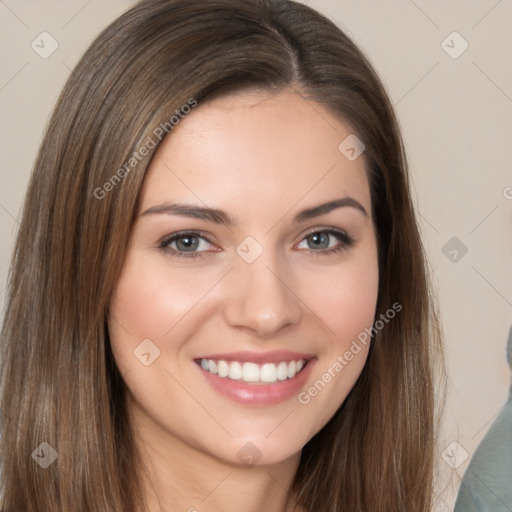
346 241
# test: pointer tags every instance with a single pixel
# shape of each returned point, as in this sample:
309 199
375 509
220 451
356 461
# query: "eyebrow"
221 217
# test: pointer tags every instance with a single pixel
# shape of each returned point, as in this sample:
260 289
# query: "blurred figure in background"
487 483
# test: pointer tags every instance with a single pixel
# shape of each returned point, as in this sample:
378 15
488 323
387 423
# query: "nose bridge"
260 292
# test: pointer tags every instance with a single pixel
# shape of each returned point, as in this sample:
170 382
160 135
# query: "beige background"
456 116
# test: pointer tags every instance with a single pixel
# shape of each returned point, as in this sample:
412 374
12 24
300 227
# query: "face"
251 272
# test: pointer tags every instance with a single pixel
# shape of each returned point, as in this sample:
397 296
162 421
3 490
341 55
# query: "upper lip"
276 356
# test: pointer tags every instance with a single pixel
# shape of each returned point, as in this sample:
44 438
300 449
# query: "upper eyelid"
173 236
325 228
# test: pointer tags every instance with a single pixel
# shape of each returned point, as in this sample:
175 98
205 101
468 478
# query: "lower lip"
259 394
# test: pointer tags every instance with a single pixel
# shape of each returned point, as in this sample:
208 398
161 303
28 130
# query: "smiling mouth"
253 373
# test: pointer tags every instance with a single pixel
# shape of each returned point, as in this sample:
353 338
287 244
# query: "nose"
260 298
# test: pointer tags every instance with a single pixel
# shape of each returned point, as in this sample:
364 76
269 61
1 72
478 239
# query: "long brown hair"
59 382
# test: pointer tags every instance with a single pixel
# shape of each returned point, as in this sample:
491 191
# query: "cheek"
344 297
138 311
148 309
350 303
345 300
149 300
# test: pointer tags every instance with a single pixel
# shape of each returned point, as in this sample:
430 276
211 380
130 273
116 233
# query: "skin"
262 158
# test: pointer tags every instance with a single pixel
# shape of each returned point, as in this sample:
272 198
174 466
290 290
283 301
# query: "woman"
218 298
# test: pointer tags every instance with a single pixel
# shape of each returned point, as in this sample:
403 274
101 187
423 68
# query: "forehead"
256 150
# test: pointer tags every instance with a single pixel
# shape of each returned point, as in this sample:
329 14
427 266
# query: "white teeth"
222 367
235 370
292 369
268 372
252 372
212 366
282 371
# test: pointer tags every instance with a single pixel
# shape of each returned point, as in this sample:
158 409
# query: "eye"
323 241
190 244
185 244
